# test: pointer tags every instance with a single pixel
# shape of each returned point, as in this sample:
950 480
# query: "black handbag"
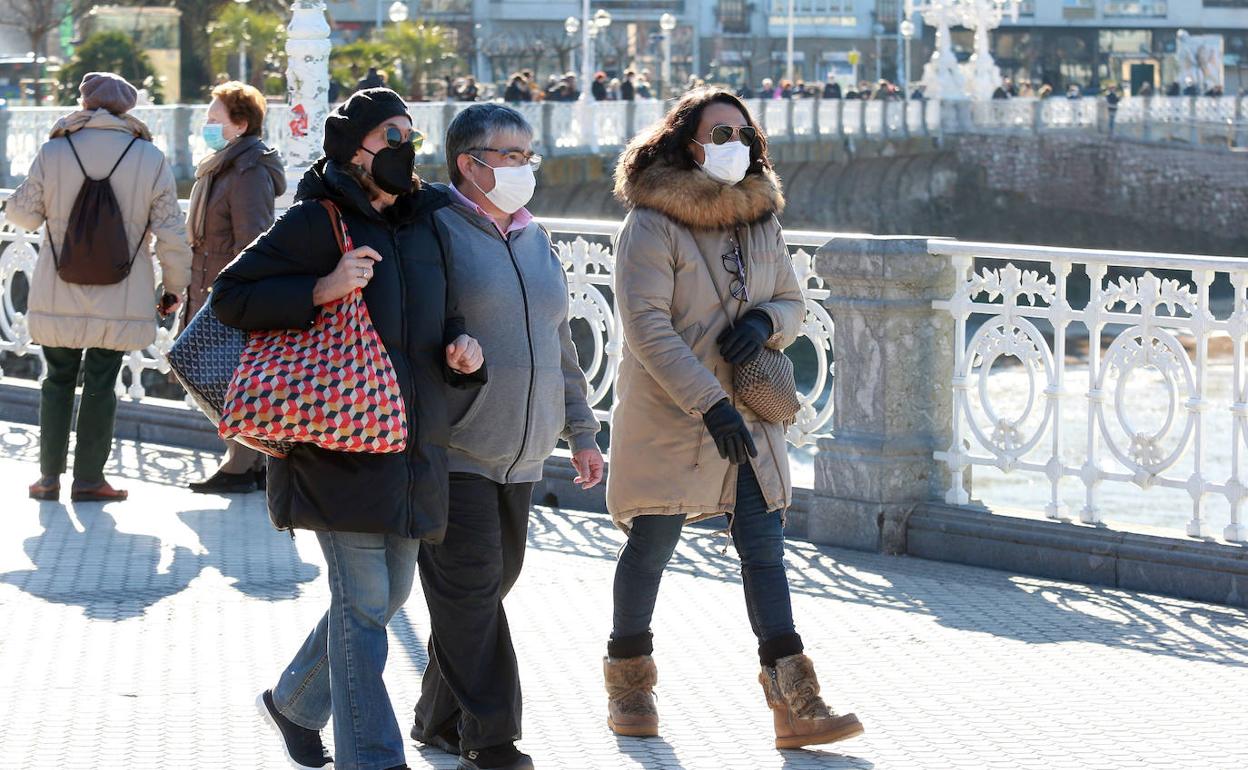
204 358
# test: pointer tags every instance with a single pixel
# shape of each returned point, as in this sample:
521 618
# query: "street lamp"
906 28
398 12
590 27
572 25
667 23
242 48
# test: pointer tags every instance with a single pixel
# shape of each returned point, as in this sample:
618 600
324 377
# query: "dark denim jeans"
96 411
758 535
338 670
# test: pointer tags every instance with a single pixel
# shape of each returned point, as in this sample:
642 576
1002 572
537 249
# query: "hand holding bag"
332 385
765 383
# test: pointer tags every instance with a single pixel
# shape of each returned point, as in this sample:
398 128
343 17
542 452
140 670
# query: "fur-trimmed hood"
692 198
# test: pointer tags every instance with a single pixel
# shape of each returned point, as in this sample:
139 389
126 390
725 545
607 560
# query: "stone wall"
1062 189
1081 190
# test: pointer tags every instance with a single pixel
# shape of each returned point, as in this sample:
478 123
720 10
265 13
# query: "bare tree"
35 18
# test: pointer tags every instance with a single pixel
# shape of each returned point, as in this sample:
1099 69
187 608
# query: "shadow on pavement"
956 596
81 558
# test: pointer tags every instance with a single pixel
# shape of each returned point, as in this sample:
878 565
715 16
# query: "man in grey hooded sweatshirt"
514 295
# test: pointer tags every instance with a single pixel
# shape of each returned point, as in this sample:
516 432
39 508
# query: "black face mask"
392 168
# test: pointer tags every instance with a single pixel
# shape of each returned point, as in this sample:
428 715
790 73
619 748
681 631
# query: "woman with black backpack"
102 188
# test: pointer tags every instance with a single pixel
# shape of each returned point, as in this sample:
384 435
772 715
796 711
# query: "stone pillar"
183 163
307 83
893 391
547 130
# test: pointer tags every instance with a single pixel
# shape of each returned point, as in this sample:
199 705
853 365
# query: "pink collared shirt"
519 220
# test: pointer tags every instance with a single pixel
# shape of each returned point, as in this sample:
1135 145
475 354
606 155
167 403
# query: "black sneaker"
447 741
222 483
504 757
304 748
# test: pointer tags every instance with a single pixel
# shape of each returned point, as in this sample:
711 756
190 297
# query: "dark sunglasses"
723 134
734 264
395 139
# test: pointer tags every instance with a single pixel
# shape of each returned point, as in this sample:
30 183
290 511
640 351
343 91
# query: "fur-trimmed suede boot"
800 715
630 695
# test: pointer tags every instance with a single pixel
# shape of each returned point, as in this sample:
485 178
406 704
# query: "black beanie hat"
350 122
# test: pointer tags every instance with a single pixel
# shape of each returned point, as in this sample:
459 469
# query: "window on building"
1078 9
1135 8
837 13
734 16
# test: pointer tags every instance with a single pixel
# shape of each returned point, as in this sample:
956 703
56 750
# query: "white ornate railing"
583 246
561 130
1154 314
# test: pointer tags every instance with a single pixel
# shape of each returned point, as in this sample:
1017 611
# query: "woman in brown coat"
703 283
231 204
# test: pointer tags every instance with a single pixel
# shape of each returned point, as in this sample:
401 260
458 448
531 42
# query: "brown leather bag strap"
335 221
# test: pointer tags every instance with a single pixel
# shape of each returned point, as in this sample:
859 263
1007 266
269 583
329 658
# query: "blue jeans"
338 670
757 534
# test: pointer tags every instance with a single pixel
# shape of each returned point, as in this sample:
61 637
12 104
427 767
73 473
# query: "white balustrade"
851 117
804 117
647 113
914 116
829 117
583 247
874 117
611 119
1149 322
776 112
1205 120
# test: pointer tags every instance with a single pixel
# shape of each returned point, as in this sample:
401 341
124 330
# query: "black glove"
739 344
732 436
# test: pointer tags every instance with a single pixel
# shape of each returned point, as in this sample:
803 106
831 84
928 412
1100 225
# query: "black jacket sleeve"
269 285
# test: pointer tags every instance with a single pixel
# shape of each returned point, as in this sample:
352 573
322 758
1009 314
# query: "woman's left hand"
464 355
589 465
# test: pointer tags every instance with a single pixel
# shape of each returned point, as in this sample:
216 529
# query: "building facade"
740 42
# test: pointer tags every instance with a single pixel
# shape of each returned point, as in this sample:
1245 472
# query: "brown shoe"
631 709
46 488
97 493
800 715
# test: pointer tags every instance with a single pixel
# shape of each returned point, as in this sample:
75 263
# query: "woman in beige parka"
90 328
703 282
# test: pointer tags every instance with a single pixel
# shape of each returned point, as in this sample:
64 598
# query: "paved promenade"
137 635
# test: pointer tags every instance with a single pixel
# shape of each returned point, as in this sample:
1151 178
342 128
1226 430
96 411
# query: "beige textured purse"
765 383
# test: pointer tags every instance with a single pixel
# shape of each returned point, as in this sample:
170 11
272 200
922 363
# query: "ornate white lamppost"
667 23
572 25
307 84
942 77
242 49
590 27
985 16
906 28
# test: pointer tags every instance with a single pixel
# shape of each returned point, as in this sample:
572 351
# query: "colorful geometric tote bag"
332 385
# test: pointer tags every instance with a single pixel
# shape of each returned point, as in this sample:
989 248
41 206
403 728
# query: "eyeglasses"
723 134
395 139
734 264
514 157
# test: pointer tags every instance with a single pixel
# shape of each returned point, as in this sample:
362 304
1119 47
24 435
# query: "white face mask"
513 186
726 162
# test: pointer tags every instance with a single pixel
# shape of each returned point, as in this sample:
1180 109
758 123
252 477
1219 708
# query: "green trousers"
96 413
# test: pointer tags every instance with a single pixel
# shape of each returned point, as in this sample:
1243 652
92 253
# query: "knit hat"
346 126
106 91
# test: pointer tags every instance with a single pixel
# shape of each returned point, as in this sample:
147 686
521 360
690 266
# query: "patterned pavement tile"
136 636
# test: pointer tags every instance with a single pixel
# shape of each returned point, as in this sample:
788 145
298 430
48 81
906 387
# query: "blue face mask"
214 135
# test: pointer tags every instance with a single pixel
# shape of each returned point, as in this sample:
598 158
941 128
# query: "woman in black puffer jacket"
370 511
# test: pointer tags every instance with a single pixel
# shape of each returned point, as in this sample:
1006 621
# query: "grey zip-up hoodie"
514 297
